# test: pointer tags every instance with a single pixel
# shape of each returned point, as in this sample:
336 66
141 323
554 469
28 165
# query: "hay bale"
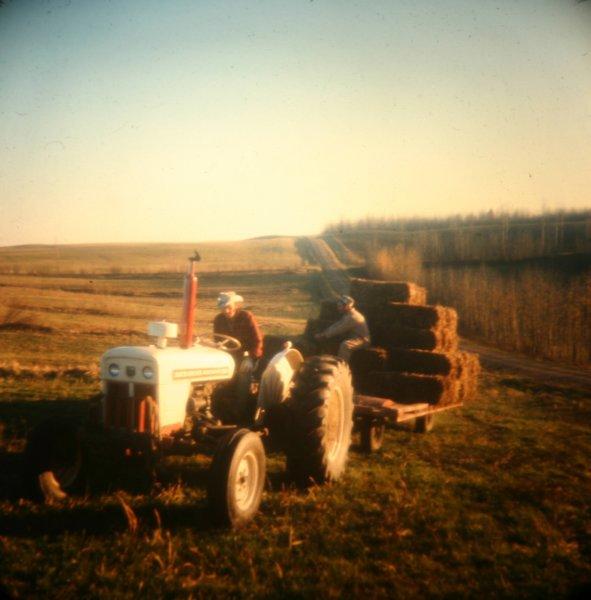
314 326
363 362
468 378
416 316
370 293
307 346
436 339
398 325
329 311
450 340
423 362
412 388
330 346
272 344
451 319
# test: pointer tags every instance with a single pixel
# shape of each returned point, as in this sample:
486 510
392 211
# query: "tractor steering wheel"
220 341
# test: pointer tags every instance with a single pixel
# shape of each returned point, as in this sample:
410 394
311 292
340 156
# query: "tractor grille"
130 406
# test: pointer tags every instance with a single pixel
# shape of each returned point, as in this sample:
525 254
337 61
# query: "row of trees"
487 237
534 308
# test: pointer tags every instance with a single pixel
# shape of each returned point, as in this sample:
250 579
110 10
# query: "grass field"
495 502
72 320
86 259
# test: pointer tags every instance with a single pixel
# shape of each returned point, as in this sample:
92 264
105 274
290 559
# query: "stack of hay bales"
329 314
370 296
415 356
375 293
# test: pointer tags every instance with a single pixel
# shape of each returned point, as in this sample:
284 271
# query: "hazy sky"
198 120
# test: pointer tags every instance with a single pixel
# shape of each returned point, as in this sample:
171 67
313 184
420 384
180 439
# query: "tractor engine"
152 389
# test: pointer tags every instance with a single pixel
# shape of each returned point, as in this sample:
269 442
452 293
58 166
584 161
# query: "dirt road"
336 281
334 274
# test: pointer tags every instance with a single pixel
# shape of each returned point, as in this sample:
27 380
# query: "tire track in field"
335 281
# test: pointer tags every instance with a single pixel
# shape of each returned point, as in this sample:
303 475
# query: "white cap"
345 300
227 298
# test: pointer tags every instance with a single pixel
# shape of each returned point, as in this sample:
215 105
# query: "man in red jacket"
238 323
241 324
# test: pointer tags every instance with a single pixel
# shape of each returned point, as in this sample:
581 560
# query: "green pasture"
493 503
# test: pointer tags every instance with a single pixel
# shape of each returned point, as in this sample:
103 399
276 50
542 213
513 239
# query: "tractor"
185 393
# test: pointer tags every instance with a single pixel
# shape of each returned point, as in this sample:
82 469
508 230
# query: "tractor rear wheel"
54 461
236 478
321 405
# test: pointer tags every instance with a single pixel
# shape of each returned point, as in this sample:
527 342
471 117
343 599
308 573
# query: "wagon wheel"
372 435
425 423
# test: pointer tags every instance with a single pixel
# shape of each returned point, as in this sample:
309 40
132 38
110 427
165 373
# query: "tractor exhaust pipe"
189 303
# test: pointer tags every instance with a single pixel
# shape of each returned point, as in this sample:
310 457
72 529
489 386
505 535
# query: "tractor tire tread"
307 457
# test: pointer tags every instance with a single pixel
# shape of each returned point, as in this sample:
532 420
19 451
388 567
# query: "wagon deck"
394 412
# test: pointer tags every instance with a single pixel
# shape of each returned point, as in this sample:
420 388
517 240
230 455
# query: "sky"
129 121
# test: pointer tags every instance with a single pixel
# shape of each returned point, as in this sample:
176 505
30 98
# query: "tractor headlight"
114 370
148 372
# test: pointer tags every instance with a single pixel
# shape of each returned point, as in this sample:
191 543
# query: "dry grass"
398 263
64 321
534 311
277 253
372 294
344 253
537 310
12 316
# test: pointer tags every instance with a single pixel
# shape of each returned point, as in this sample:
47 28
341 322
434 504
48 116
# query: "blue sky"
187 121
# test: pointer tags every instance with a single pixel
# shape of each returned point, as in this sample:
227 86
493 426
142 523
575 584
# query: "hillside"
112 259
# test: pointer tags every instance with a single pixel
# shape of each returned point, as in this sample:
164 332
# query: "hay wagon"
414 369
372 414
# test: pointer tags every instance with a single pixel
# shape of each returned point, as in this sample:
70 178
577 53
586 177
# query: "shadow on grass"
532 386
17 417
11 481
105 519
100 512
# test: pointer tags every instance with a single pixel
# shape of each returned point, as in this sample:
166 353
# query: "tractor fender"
277 377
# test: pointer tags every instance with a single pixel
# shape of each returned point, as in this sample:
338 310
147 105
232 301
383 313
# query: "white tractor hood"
170 364
171 371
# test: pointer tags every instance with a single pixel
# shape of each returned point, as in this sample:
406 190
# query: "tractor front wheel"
54 461
236 478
